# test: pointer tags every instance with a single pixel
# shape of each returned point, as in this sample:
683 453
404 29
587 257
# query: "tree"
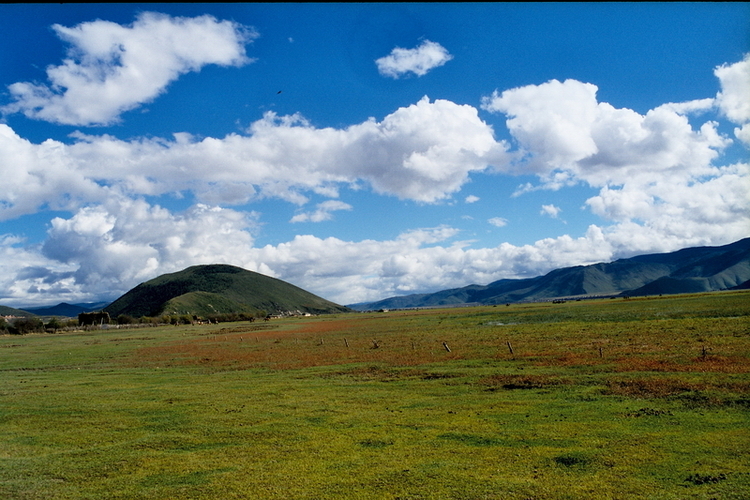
54 325
93 318
124 319
23 326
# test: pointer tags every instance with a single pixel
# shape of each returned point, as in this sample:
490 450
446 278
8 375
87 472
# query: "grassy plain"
640 398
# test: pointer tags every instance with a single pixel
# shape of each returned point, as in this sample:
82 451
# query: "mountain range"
65 309
691 270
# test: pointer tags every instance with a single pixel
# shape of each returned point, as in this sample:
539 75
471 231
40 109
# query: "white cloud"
654 171
734 97
667 216
423 152
116 245
418 60
322 213
695 106
35 175
743 133
568 137
498 221
471 199
551 210
111 68
26 273
412 263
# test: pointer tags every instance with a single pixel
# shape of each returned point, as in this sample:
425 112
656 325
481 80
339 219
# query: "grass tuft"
574 459
526 381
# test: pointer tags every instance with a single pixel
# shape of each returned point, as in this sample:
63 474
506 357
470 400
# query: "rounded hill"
218 289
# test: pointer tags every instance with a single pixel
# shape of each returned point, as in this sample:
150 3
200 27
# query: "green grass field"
640 398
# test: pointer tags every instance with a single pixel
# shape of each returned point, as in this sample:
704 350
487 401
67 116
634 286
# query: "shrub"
27 325
124 319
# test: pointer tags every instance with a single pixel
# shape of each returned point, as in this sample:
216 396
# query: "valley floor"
640 398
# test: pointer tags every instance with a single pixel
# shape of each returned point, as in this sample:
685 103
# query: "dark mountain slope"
218 288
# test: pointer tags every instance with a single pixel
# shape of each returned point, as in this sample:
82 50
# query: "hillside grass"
205 304
639 398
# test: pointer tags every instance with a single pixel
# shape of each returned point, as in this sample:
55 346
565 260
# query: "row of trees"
188 319
22 326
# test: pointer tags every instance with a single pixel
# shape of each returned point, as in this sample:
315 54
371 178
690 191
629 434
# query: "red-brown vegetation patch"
652 387
661 387
311 345
715 364
326 326
566 359
645 361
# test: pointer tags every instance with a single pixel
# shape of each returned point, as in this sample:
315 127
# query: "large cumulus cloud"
423 152
112 68
568 136
656 172
123 242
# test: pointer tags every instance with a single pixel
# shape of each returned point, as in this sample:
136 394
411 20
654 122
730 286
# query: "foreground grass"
609 399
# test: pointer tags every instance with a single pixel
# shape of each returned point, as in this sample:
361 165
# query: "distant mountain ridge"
218 289
67 310
698 269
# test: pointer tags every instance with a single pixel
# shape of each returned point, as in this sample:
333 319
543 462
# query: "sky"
363 151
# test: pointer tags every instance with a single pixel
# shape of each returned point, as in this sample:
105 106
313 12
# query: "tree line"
34 324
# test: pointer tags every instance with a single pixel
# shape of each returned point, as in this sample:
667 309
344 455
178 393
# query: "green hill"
218 289
9 311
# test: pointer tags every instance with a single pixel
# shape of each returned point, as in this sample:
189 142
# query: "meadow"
607 399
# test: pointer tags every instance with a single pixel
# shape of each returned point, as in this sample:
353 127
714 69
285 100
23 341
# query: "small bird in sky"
279 92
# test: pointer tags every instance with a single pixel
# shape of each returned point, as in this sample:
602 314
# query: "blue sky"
362 151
